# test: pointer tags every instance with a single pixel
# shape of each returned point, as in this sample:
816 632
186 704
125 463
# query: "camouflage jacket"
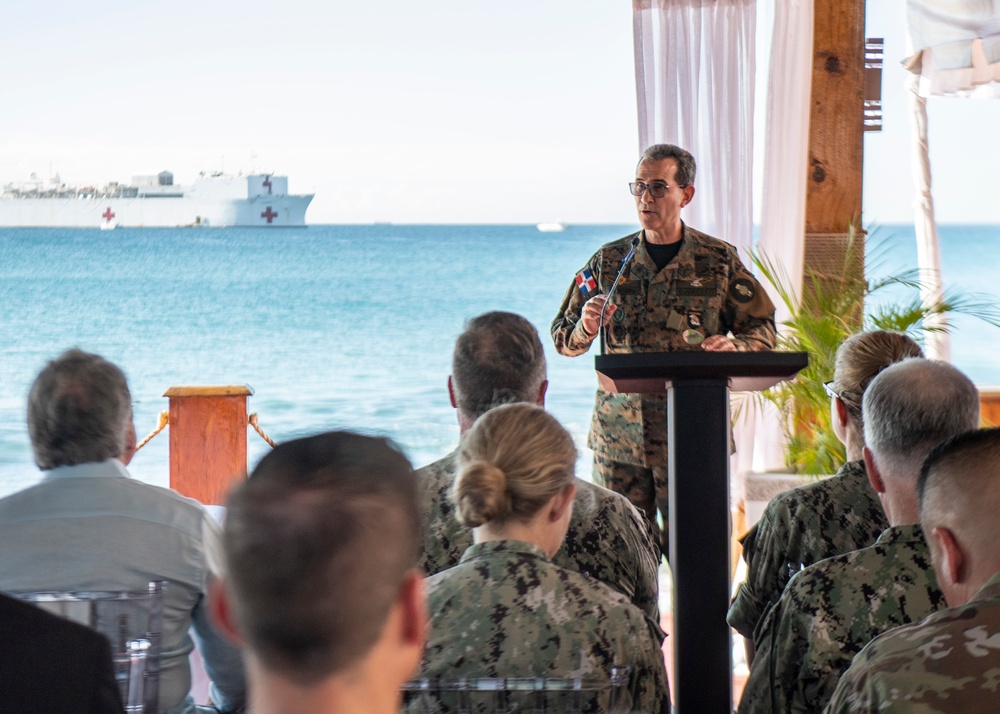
608 538
801 527
832 609
947 664
704 291
507 611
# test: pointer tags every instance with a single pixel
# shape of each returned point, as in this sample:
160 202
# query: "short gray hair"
685 161
913 406
78 410
498 359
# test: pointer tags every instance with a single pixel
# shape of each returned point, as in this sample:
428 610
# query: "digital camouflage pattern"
800 527
704 291
830 611
947 664
608 538
507 611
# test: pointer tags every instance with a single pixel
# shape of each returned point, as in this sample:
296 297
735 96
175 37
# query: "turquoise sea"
333 326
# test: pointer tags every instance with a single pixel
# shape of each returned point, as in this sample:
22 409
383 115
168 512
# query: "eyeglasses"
656 190
828 386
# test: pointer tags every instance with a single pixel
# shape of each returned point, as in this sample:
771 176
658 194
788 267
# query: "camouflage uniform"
947 664
506 611
832 609
704 291
608 538
801 527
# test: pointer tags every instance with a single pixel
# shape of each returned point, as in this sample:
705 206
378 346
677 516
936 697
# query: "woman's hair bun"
481 494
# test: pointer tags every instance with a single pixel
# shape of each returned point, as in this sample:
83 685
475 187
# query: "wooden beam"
836 130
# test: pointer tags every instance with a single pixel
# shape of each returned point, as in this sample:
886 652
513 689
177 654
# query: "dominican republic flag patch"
585 281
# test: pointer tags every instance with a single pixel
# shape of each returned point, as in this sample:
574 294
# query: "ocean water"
332 326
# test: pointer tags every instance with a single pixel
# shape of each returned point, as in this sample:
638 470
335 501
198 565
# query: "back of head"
686 167
78 410
913 406
959 489
318 542
498 359
863 356
511 462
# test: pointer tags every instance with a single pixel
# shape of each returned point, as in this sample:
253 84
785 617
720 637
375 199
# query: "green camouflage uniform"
608 538
801 527
507 611
832 609
705 290
947 664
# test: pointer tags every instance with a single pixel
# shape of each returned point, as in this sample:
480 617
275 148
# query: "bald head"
913 406
498 359
959 491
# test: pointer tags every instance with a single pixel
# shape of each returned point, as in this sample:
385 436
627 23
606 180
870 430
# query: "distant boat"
215 199
554 227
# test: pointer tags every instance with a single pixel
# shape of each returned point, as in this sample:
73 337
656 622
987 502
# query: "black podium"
698 428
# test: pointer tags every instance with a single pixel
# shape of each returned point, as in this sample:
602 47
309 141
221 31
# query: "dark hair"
78 410
498 359
685 161
318 541
962 457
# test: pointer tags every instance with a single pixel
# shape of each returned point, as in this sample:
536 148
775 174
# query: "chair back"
505 695
132 621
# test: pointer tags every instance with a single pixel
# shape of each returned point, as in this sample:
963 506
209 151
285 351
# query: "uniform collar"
901 534
502 548
108 467
989 591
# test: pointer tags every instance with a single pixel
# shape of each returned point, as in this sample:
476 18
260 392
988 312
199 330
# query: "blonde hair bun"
481 494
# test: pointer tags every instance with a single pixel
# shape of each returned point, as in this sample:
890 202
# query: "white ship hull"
212 202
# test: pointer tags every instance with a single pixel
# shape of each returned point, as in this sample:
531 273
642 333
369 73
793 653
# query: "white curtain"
694 63
783 208
955 52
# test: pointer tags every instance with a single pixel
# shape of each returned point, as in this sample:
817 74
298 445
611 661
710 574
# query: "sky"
438 112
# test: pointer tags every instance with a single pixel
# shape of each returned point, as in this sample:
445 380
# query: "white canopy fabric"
955 52
955 47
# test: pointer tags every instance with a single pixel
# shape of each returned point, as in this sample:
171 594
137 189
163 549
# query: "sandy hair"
511 462
860 358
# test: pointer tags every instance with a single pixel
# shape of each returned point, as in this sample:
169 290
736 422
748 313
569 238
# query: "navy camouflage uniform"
830 611
608 539
705 290
800 527
507 611
949 663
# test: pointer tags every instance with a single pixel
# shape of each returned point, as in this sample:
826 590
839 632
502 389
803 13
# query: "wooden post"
208 440
836 140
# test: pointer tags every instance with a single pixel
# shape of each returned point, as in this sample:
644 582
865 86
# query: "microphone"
621 271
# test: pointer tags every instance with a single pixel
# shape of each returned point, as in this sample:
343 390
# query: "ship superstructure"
214 199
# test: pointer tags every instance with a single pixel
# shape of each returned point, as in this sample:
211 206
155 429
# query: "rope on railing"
161 423
254 422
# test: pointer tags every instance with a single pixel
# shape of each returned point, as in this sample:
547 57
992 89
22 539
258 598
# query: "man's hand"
718 343
590 316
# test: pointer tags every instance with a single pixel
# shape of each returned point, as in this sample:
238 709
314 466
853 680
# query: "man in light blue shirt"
89 526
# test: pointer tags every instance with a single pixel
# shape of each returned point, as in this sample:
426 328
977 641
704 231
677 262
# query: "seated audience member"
832 609
833 516
89 526
498 358
52 665
948 663
321 583
506 610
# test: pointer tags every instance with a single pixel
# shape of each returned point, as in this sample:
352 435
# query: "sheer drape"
694 64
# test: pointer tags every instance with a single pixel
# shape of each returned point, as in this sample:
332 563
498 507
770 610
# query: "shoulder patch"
742 290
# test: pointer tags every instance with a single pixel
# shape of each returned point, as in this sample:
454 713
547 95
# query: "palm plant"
834 306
